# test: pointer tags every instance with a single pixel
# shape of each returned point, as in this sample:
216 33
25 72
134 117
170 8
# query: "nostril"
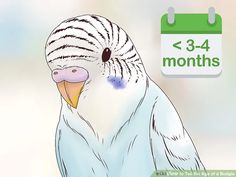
74 70
55 73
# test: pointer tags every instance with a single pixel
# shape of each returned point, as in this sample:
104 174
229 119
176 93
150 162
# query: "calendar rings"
211 15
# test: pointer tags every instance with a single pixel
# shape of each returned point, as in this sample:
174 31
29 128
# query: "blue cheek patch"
117 82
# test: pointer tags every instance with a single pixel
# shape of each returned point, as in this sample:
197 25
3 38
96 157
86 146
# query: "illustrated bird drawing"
114 120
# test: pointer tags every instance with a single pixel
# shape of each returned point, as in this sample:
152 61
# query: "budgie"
114 120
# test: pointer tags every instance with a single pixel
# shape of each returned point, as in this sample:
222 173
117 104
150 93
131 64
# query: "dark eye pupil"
106 54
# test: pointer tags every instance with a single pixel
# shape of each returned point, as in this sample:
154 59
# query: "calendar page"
191 46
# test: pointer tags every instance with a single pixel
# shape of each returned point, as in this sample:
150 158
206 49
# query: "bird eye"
106 54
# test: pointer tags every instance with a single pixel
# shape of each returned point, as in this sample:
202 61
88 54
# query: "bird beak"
70 91
70 82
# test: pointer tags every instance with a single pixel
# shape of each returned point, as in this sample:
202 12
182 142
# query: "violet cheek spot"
116 82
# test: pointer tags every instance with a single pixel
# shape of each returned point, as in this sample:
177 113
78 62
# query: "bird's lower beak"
70 91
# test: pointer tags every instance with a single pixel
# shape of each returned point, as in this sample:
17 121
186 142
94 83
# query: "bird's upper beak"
70 82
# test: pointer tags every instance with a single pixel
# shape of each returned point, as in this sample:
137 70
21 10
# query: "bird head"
90 49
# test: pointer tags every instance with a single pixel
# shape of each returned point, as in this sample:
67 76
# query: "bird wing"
171 146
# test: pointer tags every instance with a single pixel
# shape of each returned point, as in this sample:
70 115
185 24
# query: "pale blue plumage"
137 148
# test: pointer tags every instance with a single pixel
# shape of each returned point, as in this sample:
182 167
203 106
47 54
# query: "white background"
30 102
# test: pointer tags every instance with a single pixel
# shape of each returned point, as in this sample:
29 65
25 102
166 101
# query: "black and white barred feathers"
86 37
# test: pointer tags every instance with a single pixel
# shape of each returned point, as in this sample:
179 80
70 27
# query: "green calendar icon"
191 44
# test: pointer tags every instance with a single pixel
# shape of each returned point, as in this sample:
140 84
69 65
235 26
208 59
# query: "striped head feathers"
95 47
